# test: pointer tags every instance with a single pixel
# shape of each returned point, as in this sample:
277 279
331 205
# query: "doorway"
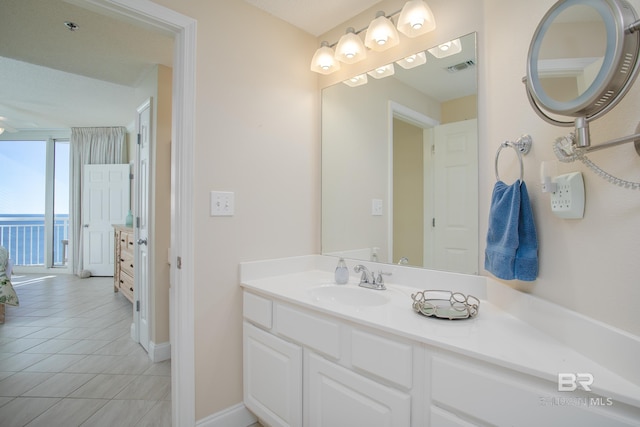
182 152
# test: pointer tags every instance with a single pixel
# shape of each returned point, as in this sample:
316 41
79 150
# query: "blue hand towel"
502 236
526 267
512 244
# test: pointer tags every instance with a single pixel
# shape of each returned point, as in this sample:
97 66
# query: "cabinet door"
338 397
272 378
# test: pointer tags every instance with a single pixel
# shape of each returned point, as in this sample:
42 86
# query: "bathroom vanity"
320 354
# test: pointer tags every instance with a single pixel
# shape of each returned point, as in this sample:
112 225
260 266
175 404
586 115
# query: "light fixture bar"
381 34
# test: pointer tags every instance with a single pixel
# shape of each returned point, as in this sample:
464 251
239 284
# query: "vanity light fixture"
446 49
1 131
324 61
359 80
350 48
416 19
381 34
382 72
413 60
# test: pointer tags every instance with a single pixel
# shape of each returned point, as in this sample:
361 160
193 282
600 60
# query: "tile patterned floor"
67 359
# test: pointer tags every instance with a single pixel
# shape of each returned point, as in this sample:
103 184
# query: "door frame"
406 114
183 29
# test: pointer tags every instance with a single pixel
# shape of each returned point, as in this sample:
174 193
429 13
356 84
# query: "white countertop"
496 335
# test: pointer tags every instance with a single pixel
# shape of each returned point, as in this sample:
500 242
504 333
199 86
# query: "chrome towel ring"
522 146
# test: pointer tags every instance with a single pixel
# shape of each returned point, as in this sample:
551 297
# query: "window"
34 201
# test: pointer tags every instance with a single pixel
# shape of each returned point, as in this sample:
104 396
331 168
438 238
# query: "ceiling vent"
461 66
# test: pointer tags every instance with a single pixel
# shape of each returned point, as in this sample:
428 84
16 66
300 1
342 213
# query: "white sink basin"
348 295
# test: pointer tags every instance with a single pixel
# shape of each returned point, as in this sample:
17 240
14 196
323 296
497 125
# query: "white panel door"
142 294
455 245
105 201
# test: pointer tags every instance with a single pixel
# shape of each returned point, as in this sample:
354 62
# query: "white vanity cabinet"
307 367
298 362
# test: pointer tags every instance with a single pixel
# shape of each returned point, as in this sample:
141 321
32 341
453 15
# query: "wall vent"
461 66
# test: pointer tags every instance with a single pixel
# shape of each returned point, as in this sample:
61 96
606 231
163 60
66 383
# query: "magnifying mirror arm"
634 27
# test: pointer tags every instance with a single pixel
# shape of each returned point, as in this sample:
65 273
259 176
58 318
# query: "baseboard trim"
237 415
159 352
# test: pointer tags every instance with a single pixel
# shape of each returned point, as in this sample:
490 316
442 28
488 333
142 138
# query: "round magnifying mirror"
583 57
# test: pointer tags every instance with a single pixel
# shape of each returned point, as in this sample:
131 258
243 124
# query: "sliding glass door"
34 201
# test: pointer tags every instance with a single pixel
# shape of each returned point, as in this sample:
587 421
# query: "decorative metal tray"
445 304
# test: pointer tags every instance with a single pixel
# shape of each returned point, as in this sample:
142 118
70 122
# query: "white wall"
589 265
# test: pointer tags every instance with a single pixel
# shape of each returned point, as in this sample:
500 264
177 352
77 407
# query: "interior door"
105 201
142 227
456 194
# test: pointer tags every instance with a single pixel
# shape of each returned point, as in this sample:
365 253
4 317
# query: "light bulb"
446 49
323 60
416 19
381 34
350 48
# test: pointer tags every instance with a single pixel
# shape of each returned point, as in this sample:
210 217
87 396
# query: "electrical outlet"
222 203
568 199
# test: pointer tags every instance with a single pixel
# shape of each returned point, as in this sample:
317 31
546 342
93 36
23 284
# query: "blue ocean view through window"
23 235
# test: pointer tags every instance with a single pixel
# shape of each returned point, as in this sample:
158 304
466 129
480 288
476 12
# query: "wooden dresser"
123 261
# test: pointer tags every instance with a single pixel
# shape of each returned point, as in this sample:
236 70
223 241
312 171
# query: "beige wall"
257 134
460 109
408 192
589 265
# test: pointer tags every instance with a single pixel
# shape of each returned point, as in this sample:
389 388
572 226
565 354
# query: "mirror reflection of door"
435 210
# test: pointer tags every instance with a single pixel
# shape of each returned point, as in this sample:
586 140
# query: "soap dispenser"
342 272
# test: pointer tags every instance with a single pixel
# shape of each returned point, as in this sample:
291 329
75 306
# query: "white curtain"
90 146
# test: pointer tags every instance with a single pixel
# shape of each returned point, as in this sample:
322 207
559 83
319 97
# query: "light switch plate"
568 199
222 203
376 207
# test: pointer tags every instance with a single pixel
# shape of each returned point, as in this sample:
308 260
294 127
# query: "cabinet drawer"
386 358
257 309
313 331
126 263
125 284
130 242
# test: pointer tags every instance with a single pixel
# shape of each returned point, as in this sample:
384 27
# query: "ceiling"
54 78
314 16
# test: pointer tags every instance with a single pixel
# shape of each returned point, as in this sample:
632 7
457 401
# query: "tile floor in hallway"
67 359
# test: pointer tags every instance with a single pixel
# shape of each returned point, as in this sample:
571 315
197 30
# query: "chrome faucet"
369 279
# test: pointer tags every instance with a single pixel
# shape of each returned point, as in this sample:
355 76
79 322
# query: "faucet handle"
378 280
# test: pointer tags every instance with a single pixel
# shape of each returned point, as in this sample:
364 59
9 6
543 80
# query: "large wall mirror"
400 164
